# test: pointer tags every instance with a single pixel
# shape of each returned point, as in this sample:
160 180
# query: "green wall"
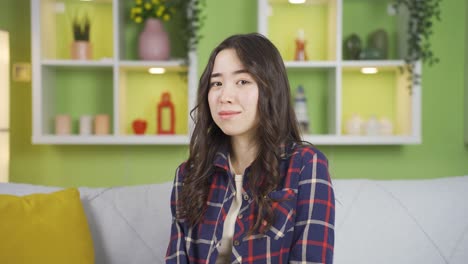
442 153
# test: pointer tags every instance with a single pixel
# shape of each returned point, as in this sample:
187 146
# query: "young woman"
251 191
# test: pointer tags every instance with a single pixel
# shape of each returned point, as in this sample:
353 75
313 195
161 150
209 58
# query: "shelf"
116 83
373 63
382 95
63 94
129 33
77 63
335 88
319 86
317 19
173 65
140 93
184 140
365 17
113 82
310 64
112 140
56 32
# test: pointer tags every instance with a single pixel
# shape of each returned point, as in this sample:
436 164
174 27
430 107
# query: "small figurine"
300 46
164 106
386 127
300 108
354 125
372 126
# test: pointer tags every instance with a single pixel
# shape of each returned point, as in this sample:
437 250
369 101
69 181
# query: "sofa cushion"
129 224
44 228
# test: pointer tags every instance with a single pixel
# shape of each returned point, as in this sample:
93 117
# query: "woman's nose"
227 94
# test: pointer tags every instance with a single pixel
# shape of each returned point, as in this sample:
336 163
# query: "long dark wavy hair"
277 128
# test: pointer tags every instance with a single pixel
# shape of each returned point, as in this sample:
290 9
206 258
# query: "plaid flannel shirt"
303 230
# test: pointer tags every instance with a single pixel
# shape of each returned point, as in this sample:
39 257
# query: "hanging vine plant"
194 22
420 28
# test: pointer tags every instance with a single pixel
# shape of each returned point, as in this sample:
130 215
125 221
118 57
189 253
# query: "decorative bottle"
166 115
300 46
300 108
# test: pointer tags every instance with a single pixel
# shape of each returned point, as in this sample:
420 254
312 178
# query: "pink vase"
153 43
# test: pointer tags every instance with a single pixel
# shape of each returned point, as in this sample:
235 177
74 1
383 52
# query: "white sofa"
401 221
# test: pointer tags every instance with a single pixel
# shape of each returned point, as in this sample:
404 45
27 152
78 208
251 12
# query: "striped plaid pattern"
303 231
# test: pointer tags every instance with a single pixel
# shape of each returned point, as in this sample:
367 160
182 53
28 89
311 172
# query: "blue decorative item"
300 108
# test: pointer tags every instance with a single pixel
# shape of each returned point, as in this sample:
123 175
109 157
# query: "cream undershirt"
225 248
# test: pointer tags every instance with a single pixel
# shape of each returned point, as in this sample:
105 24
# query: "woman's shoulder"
181 171
308 152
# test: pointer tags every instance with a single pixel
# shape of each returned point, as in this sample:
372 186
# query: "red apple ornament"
139 126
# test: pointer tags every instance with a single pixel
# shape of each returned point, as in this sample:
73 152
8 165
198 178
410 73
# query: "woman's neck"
243 153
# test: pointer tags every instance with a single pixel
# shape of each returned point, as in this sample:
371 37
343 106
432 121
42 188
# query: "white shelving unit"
50 65
466 78
340 73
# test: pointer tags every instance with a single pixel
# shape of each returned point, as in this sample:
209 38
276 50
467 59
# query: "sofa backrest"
400 221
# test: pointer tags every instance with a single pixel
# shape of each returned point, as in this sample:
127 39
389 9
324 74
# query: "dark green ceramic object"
352 47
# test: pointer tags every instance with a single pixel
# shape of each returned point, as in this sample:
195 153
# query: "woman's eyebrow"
217 74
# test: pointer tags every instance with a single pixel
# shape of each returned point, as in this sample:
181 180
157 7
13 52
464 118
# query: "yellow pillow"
44 228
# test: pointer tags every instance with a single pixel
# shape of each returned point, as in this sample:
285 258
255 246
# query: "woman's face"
233 96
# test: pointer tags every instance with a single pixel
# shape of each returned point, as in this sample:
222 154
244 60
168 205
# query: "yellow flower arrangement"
159 9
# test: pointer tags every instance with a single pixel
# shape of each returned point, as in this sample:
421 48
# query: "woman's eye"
243 82
213 84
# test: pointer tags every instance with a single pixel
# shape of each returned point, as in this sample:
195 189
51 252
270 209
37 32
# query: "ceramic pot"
101 124
81 50
378 40
153 42
352 47
63 124
86 125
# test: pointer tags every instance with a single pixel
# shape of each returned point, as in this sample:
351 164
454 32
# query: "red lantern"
163 107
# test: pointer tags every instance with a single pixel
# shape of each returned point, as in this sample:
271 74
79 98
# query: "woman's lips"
228 114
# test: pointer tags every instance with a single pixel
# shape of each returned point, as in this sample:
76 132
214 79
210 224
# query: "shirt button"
236 243
246 197
240 216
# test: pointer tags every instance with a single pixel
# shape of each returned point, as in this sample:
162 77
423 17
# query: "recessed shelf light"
369 70
157 70
297 1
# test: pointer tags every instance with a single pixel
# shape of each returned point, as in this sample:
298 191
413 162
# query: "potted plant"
81 47
153 42
420 22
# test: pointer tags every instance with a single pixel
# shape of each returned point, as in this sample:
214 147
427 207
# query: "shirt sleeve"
313 238
176 251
